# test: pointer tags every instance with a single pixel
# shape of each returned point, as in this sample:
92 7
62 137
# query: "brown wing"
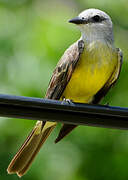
64 70
63 73
111 81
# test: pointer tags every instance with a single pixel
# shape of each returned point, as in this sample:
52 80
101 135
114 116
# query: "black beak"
78 20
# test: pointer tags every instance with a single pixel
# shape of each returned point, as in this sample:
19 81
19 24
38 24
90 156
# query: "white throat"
91 34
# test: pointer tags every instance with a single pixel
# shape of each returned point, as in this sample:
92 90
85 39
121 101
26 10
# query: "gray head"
94 24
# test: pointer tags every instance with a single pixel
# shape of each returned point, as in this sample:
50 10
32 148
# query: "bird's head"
94 24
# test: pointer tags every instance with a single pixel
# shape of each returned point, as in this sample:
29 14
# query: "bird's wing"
62 75
64 70
112 80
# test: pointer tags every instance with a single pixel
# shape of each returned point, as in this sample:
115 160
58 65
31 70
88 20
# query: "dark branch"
51 110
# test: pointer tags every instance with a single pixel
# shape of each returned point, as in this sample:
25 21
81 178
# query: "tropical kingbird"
85 73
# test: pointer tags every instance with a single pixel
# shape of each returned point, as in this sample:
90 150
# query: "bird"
84 74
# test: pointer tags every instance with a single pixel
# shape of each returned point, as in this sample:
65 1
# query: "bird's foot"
69 101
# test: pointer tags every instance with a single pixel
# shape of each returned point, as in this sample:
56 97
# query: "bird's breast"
92 71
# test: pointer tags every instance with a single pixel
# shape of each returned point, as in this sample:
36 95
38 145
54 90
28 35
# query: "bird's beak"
78 20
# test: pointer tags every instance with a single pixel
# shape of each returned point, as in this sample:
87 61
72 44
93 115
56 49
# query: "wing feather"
64 70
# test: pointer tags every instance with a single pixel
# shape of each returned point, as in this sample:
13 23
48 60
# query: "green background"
33 36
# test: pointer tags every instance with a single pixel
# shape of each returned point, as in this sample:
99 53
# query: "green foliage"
33 36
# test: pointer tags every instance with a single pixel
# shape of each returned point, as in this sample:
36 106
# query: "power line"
73 113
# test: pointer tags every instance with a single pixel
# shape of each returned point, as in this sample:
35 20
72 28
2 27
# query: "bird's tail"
26 154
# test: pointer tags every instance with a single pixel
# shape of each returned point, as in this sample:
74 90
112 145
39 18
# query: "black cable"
74 113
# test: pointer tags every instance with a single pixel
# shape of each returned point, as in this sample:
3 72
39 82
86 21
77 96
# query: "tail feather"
65 130
26 154
44 137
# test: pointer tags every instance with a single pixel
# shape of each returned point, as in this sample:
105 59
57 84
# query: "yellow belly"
91 73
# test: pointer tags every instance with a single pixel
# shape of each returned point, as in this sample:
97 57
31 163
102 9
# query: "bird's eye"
83 18
96 18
